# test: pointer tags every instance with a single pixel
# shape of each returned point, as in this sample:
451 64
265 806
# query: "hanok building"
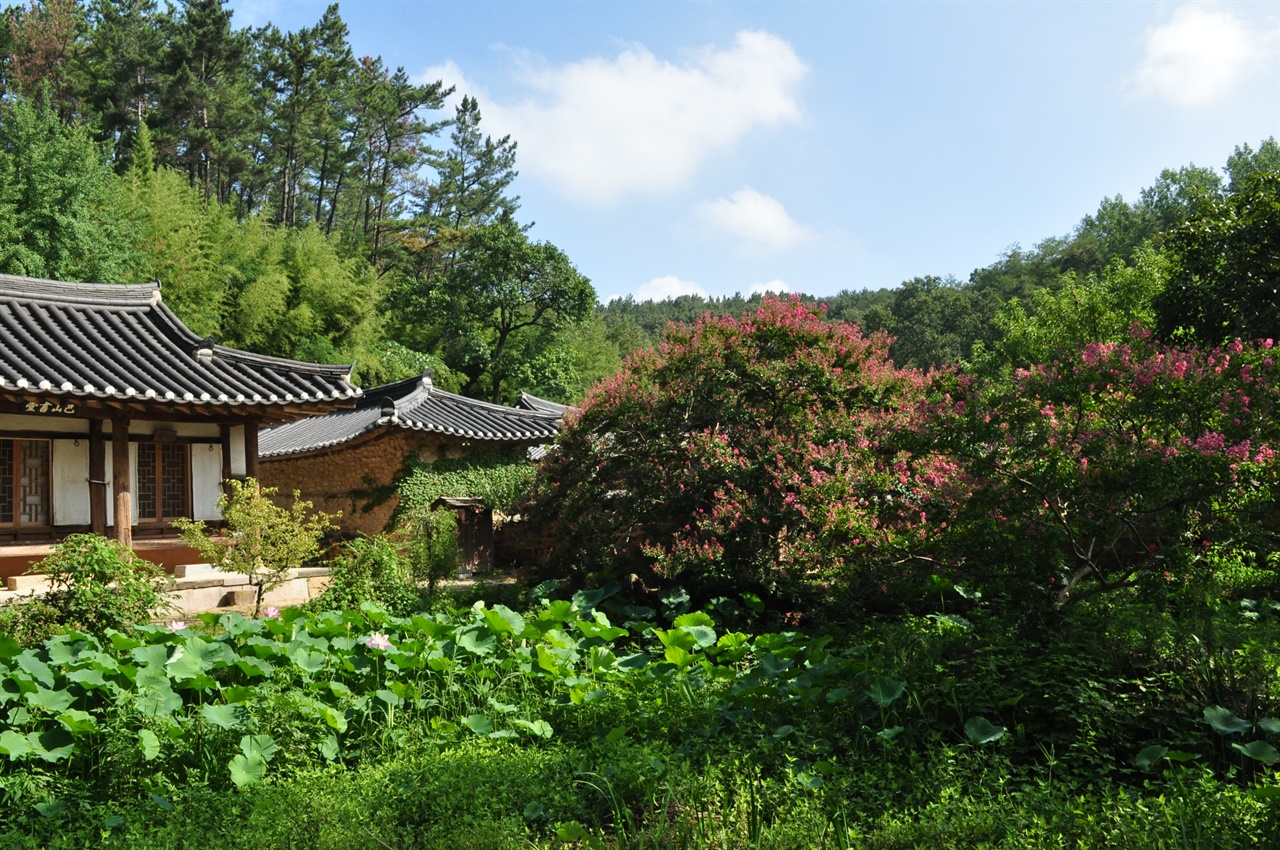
349 460
116 418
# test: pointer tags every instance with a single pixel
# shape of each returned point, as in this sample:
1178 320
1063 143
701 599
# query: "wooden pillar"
97 478
120 480
251 449
224 434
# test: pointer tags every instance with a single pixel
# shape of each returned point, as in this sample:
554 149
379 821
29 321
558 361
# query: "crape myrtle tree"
783 454
740 454
1121 464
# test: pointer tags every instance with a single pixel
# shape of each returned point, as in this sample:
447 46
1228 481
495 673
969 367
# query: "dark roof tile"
412 404
120 341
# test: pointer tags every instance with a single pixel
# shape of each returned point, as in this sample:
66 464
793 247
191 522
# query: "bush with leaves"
711 460
1224 279
1123 464
370 569
433 546
263 541
782 454
95 584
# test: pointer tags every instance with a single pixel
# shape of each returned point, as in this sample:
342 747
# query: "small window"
164 482
24 483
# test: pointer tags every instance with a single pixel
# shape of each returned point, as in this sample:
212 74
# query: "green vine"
499 478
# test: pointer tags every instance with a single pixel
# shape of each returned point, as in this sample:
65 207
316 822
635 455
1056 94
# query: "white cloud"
603 128
759 221
667 286
256 14
776 286
452 75
1202 53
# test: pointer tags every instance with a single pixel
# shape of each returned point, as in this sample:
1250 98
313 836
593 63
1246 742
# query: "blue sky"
717 147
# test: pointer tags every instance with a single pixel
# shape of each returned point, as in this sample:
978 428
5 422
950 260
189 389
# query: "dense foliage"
712 459
1123 463
779 452
590 720
94 584
369 569
1226 279
497 477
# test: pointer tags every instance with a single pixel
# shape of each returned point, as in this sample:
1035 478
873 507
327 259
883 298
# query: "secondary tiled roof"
120 342
412 404
528 401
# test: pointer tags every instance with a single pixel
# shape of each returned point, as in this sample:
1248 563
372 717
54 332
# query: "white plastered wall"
69 464
238 467
51 424
181 429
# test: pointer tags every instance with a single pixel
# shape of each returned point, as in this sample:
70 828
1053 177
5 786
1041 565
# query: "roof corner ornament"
426 378
204 349
348 380
155 294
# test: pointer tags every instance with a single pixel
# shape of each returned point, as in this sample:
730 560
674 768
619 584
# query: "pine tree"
204 119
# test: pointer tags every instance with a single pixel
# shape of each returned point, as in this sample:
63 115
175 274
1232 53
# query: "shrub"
262 540
433 546
370 570
709 459
95 584
783 454
1123 464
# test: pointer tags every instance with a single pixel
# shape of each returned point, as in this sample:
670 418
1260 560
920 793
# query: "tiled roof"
120 342
528 401
412 404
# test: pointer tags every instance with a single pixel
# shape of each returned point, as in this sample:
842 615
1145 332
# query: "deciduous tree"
59 215
1224 279
503 302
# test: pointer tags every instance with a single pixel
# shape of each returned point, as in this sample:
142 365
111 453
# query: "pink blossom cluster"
781 447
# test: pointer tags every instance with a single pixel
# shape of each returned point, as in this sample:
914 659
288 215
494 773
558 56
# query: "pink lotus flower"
177 625
270 612
378 640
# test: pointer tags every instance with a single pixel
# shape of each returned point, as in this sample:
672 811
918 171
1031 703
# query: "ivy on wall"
499 478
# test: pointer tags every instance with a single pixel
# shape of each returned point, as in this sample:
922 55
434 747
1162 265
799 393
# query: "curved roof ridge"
529 401
488 405
343 372
82 294
412 404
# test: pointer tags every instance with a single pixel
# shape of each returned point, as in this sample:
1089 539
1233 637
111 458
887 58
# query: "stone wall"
358 480
518 543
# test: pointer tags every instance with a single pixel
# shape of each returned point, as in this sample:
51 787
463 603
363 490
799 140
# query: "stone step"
27 583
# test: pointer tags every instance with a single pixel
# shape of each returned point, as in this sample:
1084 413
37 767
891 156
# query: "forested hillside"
938 319
297 199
